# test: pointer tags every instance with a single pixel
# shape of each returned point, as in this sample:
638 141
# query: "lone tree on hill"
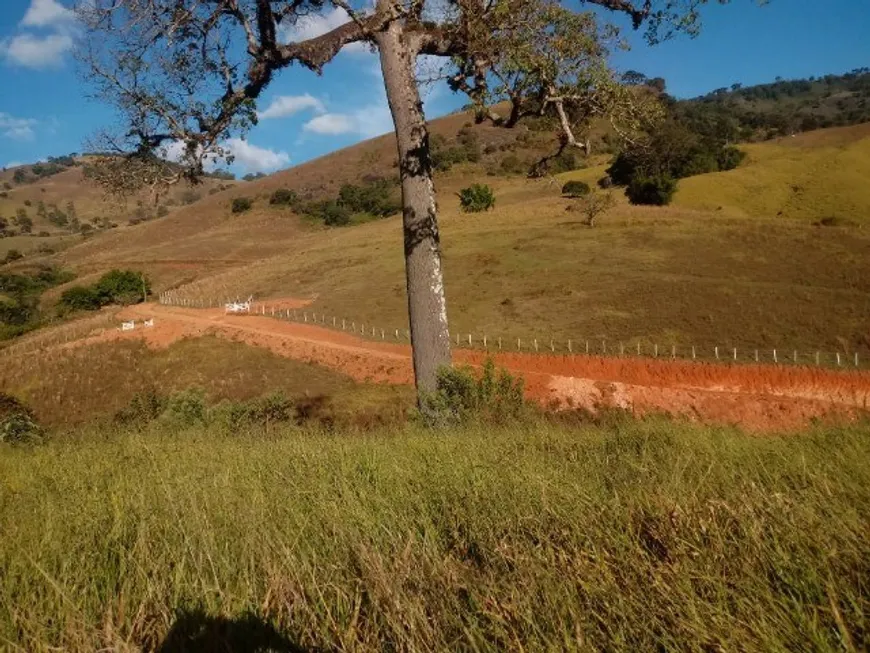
186 75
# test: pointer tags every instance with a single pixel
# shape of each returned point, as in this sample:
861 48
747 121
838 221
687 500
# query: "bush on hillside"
576 188
186 408
593 206
513 165
476 198
80 298
263 412
284 197
144 407
673 150
445 156
189 197
114 287
730 157
566 161
460 395
242 204
18 424
13 255
656 191
374 198
122 287
333 214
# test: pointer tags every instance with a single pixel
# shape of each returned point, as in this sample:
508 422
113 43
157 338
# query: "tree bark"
427 308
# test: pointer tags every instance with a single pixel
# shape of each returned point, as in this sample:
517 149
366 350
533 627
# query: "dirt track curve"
758 397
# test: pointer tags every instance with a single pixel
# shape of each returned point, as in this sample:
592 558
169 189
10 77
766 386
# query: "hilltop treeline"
780 108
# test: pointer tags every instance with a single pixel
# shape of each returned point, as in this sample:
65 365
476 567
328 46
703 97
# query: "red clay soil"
758 397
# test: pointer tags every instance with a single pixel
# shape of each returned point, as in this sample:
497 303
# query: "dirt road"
759 398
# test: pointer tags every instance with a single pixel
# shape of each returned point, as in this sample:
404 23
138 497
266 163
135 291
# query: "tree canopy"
186 74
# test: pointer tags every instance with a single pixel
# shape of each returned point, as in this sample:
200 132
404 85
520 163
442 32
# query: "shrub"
114 287
13 255
28 203
122 287
190 196
461 396
333 214
674 150
476 198
80 298
593 206
162 211
185 408
576 189
241 204
656 191
285 197
730 157
605 182
18 425
143 408
565 161
835 221
511 164
263 412
374 198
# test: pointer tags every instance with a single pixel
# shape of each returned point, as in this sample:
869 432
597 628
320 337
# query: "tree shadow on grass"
197 632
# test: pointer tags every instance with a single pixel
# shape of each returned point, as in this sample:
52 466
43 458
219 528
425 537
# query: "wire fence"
494 343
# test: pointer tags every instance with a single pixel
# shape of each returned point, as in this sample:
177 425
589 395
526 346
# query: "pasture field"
547 534
68 386
774 254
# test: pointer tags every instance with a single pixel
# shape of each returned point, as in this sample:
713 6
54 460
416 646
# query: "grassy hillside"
72 386
736 260
809 177
70 193
691 273
635 536
783 107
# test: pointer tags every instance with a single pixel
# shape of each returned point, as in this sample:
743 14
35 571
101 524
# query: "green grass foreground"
630 536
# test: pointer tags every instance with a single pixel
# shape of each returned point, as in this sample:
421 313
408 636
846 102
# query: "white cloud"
20 133
331 123
286 105
33 50
172 151
37 51
255 159
45 13
17 128
14 164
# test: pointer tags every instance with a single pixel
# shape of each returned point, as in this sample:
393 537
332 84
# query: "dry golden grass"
632 536
77 384
688 274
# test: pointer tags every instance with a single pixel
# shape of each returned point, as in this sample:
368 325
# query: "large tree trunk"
427 309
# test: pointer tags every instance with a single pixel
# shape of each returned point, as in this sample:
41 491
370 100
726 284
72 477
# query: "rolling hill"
773 253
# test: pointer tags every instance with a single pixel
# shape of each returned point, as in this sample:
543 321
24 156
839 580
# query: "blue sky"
44 110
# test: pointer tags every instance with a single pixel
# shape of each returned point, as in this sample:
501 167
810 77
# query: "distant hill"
783 107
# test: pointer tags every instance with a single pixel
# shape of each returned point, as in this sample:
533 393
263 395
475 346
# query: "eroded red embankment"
758 397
